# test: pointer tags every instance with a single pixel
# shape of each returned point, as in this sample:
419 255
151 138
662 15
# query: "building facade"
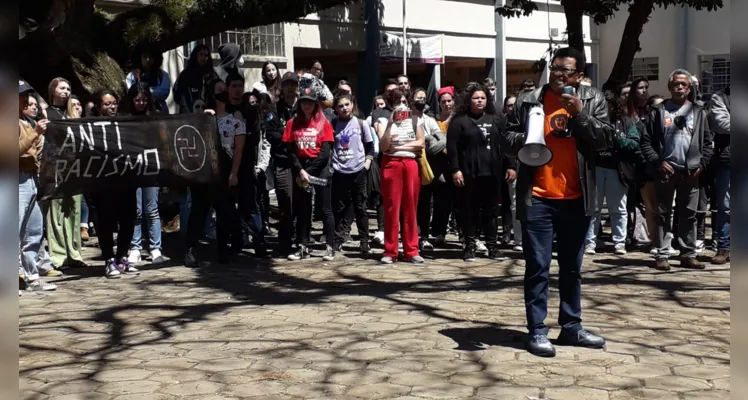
698 41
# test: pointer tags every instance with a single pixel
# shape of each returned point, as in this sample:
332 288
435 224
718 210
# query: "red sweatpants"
400 186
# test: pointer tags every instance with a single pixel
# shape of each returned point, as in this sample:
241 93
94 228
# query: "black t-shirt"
609 158
469 144
56 113
380 113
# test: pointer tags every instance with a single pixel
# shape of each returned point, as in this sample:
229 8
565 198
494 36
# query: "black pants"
479 207
506 209
284 188
349 195
228 227
304 206
117 210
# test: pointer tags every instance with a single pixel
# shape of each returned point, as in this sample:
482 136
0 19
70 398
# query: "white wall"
707 33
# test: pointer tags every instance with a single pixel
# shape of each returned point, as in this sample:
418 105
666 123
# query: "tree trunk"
639 13
573 10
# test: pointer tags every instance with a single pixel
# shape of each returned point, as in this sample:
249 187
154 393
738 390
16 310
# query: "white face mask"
240 62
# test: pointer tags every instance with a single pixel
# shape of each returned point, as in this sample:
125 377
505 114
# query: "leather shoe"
661 264
581 338
540 346
691 263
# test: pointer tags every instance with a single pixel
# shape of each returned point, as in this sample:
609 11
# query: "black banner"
87 154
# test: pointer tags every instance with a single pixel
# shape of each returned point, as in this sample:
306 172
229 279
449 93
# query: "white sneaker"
426 245
653 251
700 246
589 249
400 247
620 249
387 260
517 247
378 237
480 246
134 256
672 251
40 285
112 269
156 257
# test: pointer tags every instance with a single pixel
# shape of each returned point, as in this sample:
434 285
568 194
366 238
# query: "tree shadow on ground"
251 282
476 339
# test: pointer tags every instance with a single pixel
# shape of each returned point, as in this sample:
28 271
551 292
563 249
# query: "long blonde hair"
71 112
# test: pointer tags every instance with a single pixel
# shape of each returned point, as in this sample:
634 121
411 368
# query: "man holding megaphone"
556 192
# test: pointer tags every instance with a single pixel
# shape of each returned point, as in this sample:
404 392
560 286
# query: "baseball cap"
24 87
308 94
290 76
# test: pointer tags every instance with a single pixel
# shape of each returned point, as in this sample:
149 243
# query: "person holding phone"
559 197
30 220
401 140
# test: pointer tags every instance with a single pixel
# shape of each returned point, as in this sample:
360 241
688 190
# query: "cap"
448 89
308 94
290 76
24 87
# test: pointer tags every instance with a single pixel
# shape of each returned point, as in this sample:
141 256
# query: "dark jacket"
719 123
626 141
464 140
591 129
191 85
653 141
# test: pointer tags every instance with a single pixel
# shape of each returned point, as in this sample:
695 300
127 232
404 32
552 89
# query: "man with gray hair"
677 146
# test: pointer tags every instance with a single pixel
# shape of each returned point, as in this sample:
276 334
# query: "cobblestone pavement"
353 329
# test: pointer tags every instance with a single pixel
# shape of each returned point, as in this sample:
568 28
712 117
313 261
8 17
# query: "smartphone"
569 90
400 115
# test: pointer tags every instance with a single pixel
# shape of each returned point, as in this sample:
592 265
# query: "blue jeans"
84 212
722 192
30 224
567 219
147 200
609 187
185 205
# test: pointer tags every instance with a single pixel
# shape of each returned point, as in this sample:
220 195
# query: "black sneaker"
300 254
189 258
469 254
365 247
540 346
261 252
496 255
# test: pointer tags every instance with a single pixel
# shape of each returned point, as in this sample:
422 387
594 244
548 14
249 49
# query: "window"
263 41
648 67
715 73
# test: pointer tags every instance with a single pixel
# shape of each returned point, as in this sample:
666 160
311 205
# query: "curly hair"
464 103
616 107
393 97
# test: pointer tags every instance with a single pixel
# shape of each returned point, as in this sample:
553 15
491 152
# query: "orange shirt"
559 179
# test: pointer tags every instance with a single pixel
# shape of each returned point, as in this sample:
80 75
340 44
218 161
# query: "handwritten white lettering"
129 164
103 125
87 137
68 142
158 163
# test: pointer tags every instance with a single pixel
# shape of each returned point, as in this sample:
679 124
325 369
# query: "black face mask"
419 105
222 97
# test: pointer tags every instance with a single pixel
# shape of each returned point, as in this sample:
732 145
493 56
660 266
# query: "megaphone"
535 153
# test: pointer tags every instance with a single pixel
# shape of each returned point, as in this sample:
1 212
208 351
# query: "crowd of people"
424 173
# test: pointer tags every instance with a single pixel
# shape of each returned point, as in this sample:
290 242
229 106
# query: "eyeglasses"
563 70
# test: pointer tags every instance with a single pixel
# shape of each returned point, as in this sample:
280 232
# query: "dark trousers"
304 206
228 227
284 187
251 198
479 207
506 210
349 195
566 218
687 202
116 210
424 210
